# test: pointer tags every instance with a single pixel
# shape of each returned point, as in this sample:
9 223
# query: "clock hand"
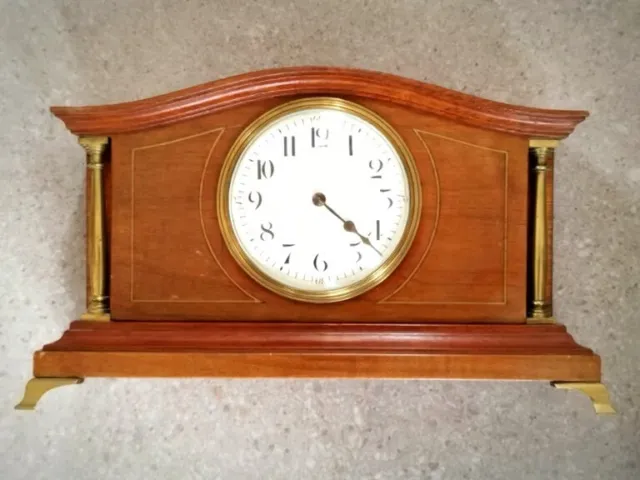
320 200
349 226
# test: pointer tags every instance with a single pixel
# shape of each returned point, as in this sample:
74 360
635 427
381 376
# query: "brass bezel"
244 260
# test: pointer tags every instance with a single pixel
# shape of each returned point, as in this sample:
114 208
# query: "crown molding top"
251 87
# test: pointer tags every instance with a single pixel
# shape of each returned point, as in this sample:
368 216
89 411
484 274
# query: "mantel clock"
319 222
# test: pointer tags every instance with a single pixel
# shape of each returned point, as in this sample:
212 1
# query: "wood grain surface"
150 349
454 308
299 336
467 262
233 92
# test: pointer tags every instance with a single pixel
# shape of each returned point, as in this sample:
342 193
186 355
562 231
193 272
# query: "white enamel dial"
319 200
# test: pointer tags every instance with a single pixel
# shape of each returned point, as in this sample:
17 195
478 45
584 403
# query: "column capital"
94 146
543 142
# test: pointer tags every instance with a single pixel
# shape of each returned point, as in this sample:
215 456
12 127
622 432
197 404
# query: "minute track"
341 244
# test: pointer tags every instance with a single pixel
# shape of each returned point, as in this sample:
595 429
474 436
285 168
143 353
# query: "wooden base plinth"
238 349
304 350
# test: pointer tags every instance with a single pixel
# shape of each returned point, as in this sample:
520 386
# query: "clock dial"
319 200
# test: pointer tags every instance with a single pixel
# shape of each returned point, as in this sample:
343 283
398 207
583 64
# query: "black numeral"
387 190
288 245
319 137
289 146
376 167
351 145
355 244
265 169
320 265
267 233
377 229
255 198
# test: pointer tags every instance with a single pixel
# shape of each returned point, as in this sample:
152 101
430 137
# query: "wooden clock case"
471 300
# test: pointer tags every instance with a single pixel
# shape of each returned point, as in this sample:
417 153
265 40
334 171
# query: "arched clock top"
319 222
257 86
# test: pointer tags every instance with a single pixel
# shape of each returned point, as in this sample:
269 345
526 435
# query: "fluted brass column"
97 293
539 309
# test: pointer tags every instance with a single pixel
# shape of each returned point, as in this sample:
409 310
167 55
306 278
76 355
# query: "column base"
95 317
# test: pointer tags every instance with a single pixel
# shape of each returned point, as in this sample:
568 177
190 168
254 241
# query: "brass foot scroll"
597 392
37 387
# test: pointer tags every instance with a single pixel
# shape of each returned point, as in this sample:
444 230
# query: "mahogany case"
458 306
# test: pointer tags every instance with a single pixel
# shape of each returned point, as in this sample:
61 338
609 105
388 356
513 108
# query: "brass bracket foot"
597 392
37 387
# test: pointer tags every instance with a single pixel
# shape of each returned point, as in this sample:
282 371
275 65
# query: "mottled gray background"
562 54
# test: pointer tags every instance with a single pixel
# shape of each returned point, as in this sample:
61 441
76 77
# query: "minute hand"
349 226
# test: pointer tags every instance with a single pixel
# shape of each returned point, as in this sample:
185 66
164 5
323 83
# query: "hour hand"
320 200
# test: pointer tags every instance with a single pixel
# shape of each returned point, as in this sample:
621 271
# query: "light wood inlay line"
505 238
433 233
206 239
218 130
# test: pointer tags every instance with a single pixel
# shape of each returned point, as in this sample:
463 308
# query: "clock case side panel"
475 262
161 255
168 261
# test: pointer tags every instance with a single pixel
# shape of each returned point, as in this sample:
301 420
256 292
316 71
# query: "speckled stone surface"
562 54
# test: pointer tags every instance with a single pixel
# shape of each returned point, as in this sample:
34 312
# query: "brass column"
539 309
97 293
